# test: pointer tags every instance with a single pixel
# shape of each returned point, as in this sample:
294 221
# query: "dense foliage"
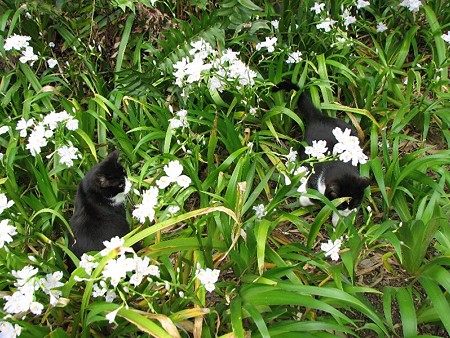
184 91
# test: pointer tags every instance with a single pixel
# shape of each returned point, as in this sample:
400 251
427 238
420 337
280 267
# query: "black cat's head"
350 186
109 176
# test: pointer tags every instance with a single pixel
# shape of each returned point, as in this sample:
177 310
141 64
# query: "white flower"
202 49
110 296
51 44
143 268
292 156
173 209
208 278
180 120
112 315
115 271
17 42
318 7
287 180
301 170
51 281
6 232
146 208
446 37
72 124
348 19
163 182
215 83
87 263
348 147
52 119
36 308
218 70
229 56
240 71
153 270
412 5
275 23
28 55
175 123
182 115
180 71
294 57
252 111
19 301
98 290
340 135
128 263
173 170
332 248
54 297
52 63
362 4
269 44
260 211
136 279
326 24
37 140
304 201
22 125
7 330
68 154
317 150
24 275
4 129
183 181
195 69
4 203
115 243
381 27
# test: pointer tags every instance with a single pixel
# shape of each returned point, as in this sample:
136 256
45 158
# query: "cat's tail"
285 85
305 105
308 110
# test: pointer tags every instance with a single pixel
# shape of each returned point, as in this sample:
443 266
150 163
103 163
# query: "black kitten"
100 206
334 179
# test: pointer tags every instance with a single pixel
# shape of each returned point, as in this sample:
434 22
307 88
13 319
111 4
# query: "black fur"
340 179
96 218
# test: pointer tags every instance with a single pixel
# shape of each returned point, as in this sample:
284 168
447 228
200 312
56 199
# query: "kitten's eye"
121 185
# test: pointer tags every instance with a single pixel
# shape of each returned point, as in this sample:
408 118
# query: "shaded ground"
373 271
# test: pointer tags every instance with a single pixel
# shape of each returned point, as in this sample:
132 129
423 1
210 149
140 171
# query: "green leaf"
438 299
407 312
236 317
261 232
250 5
124 41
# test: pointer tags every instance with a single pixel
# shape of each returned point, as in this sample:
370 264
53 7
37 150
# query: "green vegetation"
192 82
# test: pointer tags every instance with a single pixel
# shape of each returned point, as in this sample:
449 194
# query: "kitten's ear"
364 182
114 156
